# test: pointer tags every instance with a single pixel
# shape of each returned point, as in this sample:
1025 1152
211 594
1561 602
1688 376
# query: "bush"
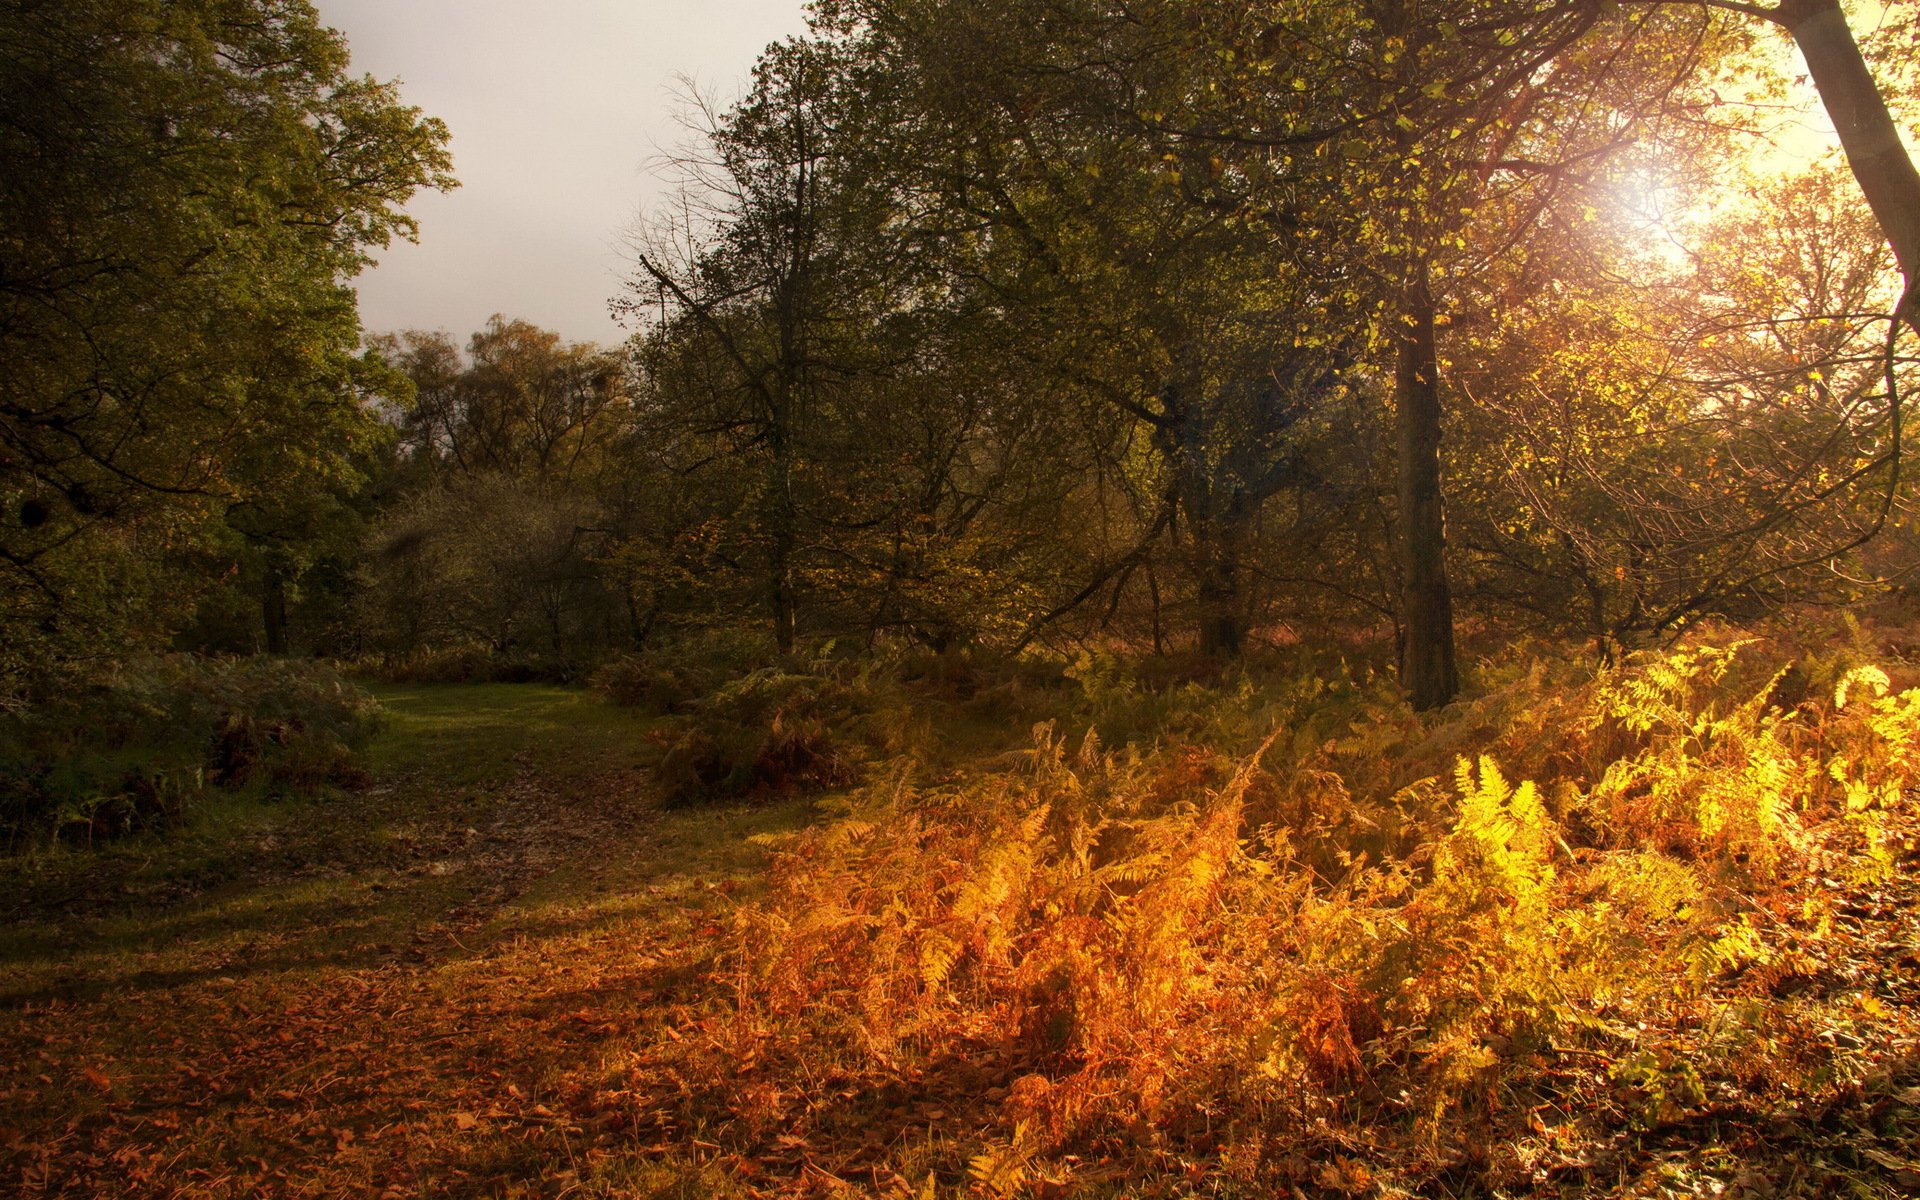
671 677
648 683
132 748
467 662
769 731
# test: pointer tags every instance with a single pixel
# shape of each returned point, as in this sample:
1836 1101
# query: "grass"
467 734
369 975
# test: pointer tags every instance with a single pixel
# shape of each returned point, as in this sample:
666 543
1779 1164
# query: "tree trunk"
1218 544
1221 634
1427 668
1153 593
640 625
782 519
273 613
780 598
1867 132
1213 525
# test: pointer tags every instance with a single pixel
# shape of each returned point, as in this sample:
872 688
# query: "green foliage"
638 681
675 673
766 732
468 662
190 186
100 756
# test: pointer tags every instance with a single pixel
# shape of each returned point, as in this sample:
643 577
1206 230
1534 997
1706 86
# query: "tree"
1710 439
1473 115
738 284
524 403
507 478
190 184
1888 180
504 563
1209 235
1127 265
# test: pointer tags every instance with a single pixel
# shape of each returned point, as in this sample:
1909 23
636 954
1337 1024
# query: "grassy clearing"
329 997
336 880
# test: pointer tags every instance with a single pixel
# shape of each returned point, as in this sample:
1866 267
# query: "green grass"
464 734
496 809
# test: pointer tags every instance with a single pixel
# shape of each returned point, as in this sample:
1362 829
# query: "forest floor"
411 990
434 987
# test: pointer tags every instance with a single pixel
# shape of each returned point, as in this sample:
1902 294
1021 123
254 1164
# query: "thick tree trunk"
1223 620
780 594
1867 131
1427 668
1222 633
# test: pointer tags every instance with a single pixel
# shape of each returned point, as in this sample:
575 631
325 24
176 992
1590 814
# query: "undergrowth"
759 725
469 662
107 752
1260 927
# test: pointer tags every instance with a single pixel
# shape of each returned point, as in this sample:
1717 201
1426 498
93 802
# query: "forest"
1310 598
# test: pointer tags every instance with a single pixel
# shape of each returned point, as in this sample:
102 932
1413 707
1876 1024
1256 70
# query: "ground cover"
1175 957
408 989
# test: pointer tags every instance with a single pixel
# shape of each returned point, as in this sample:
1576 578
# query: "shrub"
646 682
769 731
467 662
132 747
670 677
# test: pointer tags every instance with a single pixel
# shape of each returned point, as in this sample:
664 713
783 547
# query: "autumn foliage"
1330 924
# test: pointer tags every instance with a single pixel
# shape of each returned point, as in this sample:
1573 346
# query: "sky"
557 110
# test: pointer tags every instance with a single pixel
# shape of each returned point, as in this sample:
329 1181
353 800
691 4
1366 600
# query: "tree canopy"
190 185
1016 323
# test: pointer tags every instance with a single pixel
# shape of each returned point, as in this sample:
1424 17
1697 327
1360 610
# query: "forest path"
412 990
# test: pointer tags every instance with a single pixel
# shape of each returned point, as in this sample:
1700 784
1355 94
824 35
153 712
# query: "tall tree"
1128 261
523 403
1858 107
737 277
189 186
1709 439
1477 113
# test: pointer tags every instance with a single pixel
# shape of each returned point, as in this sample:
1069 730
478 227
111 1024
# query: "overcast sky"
555 109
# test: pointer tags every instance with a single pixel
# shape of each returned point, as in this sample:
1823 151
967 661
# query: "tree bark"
1868 135
780 598
1215 516
782 518
1221 546
1221 632
1427 666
